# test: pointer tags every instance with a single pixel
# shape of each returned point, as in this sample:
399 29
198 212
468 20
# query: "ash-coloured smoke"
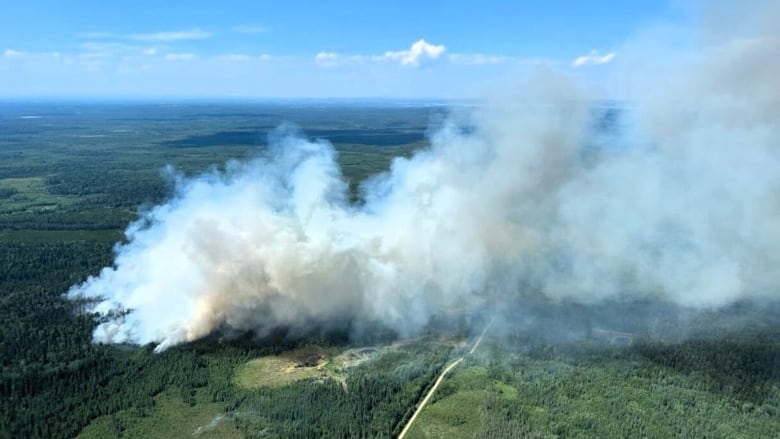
683 204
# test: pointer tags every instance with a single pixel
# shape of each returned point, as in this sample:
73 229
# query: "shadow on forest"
273 341
380 137
743 364
220 138
733 351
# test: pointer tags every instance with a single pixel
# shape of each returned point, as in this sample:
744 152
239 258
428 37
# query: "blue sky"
311 48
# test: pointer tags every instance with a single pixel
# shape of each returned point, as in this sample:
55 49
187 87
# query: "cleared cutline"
451 366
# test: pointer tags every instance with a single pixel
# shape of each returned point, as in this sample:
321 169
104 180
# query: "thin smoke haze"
527 199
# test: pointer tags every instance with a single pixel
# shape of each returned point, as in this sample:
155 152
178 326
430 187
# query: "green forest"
71 181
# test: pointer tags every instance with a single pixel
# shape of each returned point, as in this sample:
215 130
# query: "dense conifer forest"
72 180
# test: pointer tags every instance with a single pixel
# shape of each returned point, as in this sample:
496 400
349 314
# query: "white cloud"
94 66
593 58
248 29
182 35
241 57
420 53
179 56
333 59
477 58
95 49
11 53
327 59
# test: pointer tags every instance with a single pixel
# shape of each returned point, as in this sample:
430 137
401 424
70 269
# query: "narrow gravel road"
446 370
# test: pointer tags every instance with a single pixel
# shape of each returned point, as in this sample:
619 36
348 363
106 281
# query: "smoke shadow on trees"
743 364
375 137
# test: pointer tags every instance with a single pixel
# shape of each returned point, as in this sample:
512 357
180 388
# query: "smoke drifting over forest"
680 204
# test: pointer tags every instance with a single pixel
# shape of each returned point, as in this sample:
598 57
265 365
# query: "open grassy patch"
506 391
354 357
29 195
277 370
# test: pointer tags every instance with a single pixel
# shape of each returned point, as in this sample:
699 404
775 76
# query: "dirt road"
427 397
446 370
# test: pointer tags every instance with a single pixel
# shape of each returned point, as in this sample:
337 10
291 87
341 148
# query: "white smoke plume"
518 196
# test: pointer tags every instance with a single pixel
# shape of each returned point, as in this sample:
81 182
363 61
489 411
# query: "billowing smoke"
521 196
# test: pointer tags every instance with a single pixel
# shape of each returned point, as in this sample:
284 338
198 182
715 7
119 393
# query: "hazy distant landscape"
73 176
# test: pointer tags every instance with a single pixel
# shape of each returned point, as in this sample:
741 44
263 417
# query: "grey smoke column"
689 213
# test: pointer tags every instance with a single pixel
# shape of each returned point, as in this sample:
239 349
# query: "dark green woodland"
74 176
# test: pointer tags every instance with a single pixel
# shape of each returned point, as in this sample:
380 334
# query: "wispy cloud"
249 29
421 52
182 35
179 56
328 59
477 58
10 53
110 49
333 59
242 57
593 58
